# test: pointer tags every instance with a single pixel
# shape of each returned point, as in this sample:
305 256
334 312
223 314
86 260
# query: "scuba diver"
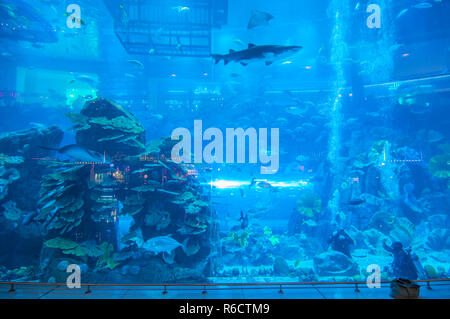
340 241
243 220
406 264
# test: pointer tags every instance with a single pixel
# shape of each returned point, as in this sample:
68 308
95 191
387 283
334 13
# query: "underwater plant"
70 247
404 231
60 243
194 225
106 260
430 272
184 198
364 160
192 205
309 204
376 152
440 166
132 205
84 250
274 240
236 241
159 219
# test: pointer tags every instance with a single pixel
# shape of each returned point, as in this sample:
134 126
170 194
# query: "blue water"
358 141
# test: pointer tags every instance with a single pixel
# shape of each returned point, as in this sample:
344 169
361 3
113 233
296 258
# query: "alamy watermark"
73 16
213 152
374 20
74 279
374 280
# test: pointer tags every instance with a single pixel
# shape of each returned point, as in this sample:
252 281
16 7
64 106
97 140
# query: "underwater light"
274 92
223 184
405 55
176 91
308 67
287 62
289 184
220 183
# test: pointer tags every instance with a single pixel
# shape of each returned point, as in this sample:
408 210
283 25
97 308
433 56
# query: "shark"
254 52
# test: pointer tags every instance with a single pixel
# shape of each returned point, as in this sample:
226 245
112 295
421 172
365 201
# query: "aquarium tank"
224 141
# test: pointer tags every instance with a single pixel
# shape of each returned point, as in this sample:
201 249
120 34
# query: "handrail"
164 288
218 284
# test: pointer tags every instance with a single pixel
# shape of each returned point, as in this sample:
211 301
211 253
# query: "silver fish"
423 5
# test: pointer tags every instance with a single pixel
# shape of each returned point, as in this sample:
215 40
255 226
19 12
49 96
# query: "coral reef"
105 126
141 217
20 177
8 172
383 221
438 239
280 266
157 218
63 197
11 212
104 216
23 273
19 174
28 143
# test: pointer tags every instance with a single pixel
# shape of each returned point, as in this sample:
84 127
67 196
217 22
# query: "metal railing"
203 288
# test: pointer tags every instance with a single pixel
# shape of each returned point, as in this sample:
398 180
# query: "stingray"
79 153
259 18
430 136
